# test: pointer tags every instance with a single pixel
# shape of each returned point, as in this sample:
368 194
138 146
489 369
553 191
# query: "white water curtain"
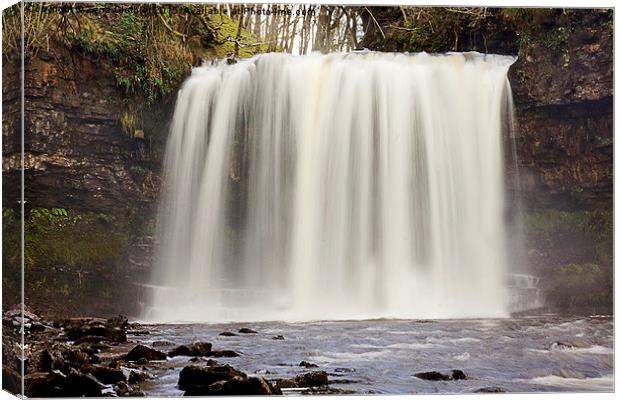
337 186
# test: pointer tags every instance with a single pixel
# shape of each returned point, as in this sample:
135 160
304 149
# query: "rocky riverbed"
113 357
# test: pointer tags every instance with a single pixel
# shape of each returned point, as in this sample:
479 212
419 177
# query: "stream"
536 353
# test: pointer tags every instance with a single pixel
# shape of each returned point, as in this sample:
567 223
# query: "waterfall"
339 186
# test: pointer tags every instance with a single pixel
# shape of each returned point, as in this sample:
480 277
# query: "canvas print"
285 199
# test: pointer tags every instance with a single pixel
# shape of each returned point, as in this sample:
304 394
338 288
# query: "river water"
537 353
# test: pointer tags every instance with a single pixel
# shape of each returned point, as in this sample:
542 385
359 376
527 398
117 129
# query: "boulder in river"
247 330
59 356
490 389
113 330
79 385
236 386
123 389
138 376
311 379
316 378
458 375
11 380
57 384
143 352
90 339
278 337
162 343
193 350
306 364
106 375
193 376
226 333
223 354
432 376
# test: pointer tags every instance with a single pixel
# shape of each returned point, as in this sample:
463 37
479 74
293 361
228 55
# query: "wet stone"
143 352
193 377
106 375
236 386
195 349
223 354
162 343
138 376
311 379
306 364
432 376
90 339
458 375
490 389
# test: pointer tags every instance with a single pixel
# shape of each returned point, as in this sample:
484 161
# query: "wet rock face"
79 157
77 154
565 154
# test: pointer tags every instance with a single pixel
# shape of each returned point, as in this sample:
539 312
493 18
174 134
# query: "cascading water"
338 186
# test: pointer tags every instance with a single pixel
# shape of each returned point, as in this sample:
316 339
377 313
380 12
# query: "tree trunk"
238 36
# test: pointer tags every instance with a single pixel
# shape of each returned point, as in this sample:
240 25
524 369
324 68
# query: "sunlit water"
381 356
336 186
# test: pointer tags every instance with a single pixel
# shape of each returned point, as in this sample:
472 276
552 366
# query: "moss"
225 28
150 60
57 237
149 47
555 221
597 224
581 285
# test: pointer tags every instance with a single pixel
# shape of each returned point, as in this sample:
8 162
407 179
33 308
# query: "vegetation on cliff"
546 40
150 46
71 259
573 252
